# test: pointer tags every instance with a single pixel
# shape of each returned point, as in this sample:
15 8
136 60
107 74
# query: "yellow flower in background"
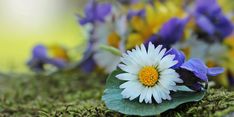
137 23
133 40
227 5
156 15
137 6
58 51
141 32
113 39
229 41
227 62
159 13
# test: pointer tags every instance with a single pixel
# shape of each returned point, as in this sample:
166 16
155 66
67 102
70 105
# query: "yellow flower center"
148 76
113 39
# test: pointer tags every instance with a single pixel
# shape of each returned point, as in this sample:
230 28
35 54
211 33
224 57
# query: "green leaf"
114 101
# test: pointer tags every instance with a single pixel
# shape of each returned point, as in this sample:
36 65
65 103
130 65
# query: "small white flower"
148 74
106 60
111 36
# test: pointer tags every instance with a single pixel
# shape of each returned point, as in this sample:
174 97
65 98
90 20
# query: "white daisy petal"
135 57
152 54
143 94
132 91
178 80
130 69
162 53
167 81
148 96
128 84
166 93
127 62
128 58
145 55
168 58
143 49
151 49
125 93
158 49
156 96
168 71
167 62
174 78
158 55
167 85
126 76
137 89
163 95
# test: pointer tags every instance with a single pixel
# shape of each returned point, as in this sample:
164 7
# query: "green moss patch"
78 94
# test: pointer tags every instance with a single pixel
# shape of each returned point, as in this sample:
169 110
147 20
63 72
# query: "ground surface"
77 94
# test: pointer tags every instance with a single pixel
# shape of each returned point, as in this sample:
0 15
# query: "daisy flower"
105 59
148 74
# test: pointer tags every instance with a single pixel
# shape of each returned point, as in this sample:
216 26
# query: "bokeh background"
25 23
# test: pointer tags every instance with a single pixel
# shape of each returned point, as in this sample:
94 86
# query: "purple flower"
95 11
87 63
40 59
194 72
211 20
170 33
39 51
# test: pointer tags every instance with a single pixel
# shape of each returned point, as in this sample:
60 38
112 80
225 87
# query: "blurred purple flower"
40 59
87 63
95 11
170 33
211 20
194 72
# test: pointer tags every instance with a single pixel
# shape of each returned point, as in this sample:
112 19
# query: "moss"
78 94
217 102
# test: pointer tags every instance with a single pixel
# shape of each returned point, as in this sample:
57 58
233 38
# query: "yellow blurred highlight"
17 38
133 40
15 50
113 40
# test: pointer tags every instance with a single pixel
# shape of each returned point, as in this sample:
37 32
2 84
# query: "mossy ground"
78 94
